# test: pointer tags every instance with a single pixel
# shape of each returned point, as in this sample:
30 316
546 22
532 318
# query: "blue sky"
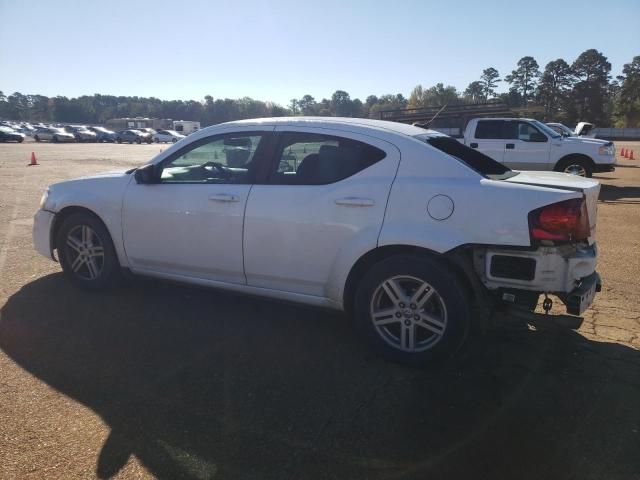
278 50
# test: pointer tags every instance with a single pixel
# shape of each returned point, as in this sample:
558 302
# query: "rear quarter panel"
485 211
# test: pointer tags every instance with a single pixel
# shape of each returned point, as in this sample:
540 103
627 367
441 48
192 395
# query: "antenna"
427 124
437 113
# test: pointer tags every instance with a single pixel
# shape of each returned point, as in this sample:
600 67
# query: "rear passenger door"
489 138
322 199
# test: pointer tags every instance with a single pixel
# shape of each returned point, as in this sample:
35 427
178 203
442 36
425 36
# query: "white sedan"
167 136
405 229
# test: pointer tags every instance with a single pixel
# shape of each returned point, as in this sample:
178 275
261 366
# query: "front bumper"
42 223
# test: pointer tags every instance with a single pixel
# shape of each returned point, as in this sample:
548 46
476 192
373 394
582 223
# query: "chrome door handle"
224 197
355 202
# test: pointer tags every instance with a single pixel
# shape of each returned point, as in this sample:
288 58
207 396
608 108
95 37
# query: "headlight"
606 150
43 200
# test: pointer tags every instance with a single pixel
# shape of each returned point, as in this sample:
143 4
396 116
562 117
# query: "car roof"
336 123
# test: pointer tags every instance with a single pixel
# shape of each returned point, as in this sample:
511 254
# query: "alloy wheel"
408 313
576 169
85 252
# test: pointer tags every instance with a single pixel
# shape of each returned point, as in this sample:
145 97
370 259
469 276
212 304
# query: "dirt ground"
155 380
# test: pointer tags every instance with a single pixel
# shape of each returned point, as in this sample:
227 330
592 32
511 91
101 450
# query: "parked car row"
8 134
13 131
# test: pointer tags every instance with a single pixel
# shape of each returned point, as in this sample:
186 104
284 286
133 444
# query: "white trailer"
186 127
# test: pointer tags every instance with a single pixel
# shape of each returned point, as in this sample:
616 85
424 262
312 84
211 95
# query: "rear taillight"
562 221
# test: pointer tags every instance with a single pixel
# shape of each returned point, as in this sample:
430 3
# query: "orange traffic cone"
34 161
631 156
623 153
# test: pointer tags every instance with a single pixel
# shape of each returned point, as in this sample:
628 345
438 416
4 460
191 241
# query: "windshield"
481 163
564 128
546 129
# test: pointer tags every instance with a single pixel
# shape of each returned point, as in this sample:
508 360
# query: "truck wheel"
412 309
86 252
575 166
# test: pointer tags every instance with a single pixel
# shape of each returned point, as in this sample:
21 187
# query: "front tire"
86 252
575 166
412 309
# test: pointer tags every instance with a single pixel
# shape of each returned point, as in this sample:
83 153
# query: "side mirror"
537 137
147 175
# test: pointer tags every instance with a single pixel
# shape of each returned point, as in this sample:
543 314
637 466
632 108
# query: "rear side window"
491 129
479 162
315 159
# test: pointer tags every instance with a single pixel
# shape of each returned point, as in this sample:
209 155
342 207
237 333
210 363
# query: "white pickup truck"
526 144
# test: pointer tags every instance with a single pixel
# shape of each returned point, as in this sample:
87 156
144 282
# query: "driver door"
190 223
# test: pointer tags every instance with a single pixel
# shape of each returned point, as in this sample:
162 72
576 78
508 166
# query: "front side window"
226 159
524 131
315 159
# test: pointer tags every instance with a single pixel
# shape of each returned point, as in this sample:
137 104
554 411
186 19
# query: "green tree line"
580 91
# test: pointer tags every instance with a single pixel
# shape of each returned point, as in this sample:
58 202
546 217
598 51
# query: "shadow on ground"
199 384
614 193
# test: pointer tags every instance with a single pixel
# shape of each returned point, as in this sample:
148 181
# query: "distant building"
138 122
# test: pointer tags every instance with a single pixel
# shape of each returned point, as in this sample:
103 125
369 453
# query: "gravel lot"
155 380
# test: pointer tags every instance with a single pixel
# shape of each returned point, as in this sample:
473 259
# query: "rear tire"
86 252
36 138
412 309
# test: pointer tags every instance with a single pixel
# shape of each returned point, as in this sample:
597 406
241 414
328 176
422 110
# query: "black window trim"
260 156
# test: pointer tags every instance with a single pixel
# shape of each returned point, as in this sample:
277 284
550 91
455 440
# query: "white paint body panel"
295 242
176 229
298 239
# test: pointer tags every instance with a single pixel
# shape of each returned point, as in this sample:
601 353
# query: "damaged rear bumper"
567 271
582 297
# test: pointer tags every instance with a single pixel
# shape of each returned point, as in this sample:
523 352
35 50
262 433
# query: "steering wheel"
223 171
